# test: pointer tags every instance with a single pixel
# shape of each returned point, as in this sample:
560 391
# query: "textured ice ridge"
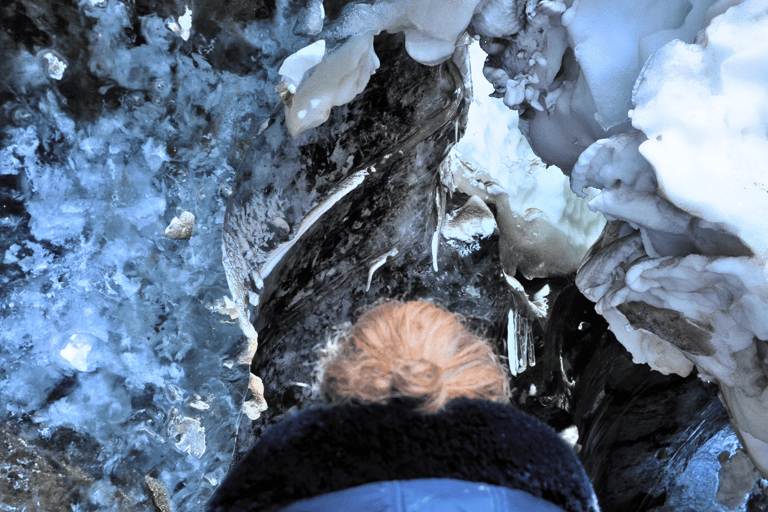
681 276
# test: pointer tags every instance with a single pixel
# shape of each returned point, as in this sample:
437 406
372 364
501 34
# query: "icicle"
440 206
512 342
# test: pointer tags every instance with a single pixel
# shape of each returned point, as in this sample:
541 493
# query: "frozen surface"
335 81
681 276
611 41
432 30
108 340
545 229
668 122
575 63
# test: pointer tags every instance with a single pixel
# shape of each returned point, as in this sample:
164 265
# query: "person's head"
412 350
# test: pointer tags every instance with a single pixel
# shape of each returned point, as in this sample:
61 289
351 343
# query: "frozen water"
545 230
681 277
106 329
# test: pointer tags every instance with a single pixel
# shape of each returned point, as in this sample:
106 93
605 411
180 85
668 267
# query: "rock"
181 227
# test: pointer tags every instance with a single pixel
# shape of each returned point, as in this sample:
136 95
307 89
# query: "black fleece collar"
328 449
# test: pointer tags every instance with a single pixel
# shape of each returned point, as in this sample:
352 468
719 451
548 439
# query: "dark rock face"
669 324
641 430
47 471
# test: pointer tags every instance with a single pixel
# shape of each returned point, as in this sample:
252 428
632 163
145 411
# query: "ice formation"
577 66
431 27
473 221
545 230
104 330
184 25
181 227
297 64
681 273
335 81
110 315
611 41
54 64
310 20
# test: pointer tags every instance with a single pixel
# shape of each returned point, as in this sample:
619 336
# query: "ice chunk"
79 345
427 49
736 479
310 20
337 80
296 65
184 26
472 221
54 64
439 21
499 18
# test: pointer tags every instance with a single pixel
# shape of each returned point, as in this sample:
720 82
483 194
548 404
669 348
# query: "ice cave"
195 195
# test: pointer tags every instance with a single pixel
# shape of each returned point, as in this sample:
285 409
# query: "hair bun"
414 350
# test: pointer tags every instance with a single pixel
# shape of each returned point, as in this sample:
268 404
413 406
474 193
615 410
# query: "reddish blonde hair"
412 349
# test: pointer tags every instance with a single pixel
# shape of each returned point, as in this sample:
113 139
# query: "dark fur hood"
328 449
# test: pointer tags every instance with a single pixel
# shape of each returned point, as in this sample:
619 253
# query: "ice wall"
130 116
683 280
680 271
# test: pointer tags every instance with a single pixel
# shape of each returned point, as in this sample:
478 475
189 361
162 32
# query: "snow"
611 41
537 212
682 277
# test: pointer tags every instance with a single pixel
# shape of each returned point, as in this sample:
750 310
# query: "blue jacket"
425 495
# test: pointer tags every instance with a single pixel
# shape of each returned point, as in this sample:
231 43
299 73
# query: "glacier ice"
336 80
681 273
545 230
297 64
668 122
106 335
432 30
104 146
611 42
